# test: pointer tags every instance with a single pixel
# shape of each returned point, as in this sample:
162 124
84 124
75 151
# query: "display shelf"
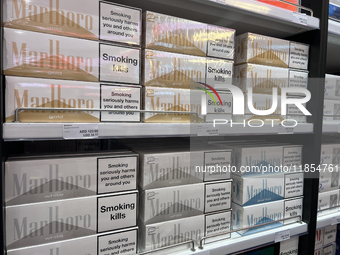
333 61
240 243
242 15
36 131
327 220
331 128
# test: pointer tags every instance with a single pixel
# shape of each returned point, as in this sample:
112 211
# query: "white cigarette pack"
328 179
329 235
298 79
253 190
332 109
117 242
329 250
251 216
154 236
221 42
319 238
298 55
54 178
50 93
218 72
217 107
330 155
55 57
328 202
164 204
176 166
290 246
95 20
41 223
332 87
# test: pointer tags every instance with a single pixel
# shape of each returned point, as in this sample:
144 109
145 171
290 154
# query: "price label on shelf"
80 131
335 221
285 130
207 130
282 236
300 18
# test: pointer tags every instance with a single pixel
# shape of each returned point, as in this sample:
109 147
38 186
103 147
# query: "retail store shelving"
328 219
331 128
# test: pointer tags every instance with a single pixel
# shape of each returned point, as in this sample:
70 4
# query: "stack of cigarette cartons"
331 107
179 199
263 64
67 203
184 62
88 56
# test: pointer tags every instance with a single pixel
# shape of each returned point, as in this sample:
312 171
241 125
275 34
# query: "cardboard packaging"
54 178
164 204
328 179
153 236
331 107
55 57
250 216
172 34
290 247
329 235
319 238
117 242
96 20
328 202
177 166
332 87
262 79
263 189
330 154
285 6
218 73
35 92
34 224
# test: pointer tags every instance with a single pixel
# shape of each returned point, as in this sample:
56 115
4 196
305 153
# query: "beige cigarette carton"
95 20
50 93
298 55
219 72
59 57
221 42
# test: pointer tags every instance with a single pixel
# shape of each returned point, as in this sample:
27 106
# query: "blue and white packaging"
328 202
253 190
328 179
332 87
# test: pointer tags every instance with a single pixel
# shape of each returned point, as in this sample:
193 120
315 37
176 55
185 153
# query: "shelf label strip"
80 131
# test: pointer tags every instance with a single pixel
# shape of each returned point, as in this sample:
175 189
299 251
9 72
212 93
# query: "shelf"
326 220
333 61
331 128
238 243
242 15
36 131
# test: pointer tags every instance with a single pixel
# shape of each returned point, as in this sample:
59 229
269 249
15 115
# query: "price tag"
285 130
335 221
300 18
80 131
207 130
282 236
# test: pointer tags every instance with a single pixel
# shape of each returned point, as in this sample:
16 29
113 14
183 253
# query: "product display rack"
244 16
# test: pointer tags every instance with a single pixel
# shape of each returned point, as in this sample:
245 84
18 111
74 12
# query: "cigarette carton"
334 9
217 108
262 50
328 179
328 202
263 189
117 242
319 238
154 236
40 93
330 155
251 216
97 20
298 79
55 57
176 166
298 55
332 87
172 203
329 235
329 250
34 224
331 109
165 69
42 180
221 42
219 72
290 247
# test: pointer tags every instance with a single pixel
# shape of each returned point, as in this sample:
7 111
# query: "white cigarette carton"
263 50
290 247
34 224
330 155
319 238
164 204
54 178
329 250
154 236
332 87
262 159
96 20
331 107
176 166
50 93
298 79
328 202
328 179
165 69
55 57
298 55
217 107
251 216
318 252
329 235
221 42
218 73
117 242
263 189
